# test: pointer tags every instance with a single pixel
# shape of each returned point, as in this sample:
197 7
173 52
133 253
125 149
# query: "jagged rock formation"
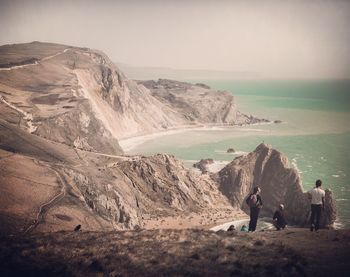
145 187
202 164
269 169
199 103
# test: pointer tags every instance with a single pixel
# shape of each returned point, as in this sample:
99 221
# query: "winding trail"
47 205
26 116
34 63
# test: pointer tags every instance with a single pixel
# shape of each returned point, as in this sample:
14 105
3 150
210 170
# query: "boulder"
202 164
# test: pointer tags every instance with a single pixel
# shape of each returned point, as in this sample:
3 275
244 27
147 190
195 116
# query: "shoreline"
131 142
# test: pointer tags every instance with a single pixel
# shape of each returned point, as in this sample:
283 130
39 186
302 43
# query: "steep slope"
50 186
199 103
47 96
269 169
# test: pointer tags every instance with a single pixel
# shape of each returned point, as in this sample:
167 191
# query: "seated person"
279 221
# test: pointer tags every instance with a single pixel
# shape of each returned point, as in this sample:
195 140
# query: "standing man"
255 204
317 196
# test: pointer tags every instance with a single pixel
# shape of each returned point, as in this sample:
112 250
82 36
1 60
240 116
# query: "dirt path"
47 205
26 116
34 63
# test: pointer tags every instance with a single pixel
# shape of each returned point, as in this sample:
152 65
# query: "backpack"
252 200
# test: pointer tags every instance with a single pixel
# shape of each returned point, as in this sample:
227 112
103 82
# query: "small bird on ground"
77 228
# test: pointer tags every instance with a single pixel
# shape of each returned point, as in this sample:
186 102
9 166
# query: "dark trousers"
315 214
254 214
279 225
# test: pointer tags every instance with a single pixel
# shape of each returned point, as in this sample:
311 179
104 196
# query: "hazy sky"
274 38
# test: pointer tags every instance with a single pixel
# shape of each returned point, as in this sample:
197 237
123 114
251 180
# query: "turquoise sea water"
314 133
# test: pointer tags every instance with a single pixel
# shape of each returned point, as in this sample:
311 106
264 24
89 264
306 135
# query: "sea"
314 132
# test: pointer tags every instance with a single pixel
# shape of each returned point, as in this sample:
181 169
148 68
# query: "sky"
276 39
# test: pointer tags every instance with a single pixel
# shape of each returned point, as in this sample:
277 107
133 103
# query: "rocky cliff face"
269 169
198 103
147 187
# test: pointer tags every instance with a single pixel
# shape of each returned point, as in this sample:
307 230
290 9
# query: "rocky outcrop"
269 169
163 185
113 203
132 189
198 103
202 164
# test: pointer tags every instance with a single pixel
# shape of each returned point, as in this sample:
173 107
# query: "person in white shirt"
317 196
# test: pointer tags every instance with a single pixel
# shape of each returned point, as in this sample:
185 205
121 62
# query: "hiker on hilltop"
255 204
317 196
279 220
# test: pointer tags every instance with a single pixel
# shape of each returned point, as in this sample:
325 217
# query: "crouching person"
279 220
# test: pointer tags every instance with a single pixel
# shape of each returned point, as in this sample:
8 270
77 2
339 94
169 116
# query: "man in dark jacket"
255 203
279 220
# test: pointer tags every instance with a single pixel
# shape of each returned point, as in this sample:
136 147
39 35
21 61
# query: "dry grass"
172 253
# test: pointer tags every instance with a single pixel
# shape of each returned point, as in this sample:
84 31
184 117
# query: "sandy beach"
129 143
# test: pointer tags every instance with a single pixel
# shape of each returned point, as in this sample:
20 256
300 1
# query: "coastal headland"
67 116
